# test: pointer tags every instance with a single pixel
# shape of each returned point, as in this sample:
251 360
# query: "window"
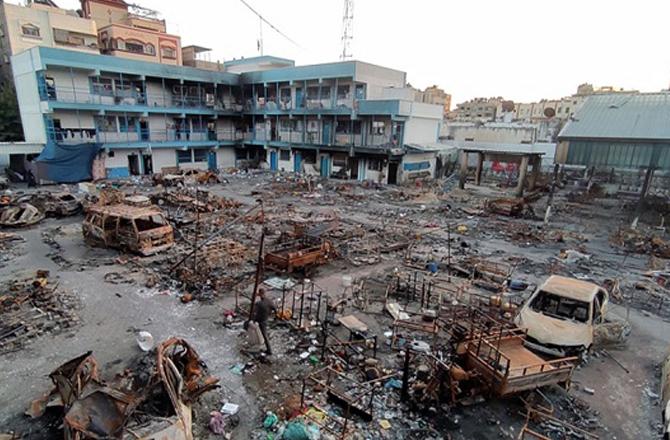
150 49
51 87
168 52
200 155
107 124
377 127
560 307
30 30
374 165
134 46
285 155
343 92
128 124
312 92
102 86
184 156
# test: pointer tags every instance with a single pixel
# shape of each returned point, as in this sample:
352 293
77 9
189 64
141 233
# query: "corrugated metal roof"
643 116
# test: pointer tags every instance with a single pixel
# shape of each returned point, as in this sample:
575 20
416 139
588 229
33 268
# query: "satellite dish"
549 112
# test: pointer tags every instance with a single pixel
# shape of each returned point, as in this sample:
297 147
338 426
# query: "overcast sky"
523 50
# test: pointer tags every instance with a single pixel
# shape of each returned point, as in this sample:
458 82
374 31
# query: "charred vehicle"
563 315
143 230
22 215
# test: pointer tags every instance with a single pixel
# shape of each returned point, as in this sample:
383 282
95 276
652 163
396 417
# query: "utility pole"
347 29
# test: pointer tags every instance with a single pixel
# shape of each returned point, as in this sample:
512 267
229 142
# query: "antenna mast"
347 29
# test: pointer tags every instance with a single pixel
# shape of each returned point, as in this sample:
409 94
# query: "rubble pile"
33 307
153 400
639 242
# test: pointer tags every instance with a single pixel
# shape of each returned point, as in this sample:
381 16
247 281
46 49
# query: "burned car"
152 401
61 204
143 230
563 314
24 214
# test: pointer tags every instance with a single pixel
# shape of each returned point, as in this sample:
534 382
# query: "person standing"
263 308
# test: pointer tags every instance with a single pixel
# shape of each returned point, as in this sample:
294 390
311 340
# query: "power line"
273 27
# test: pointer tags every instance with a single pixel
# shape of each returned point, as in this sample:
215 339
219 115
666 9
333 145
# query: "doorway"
393 173
147 164
144 130
353 168
133 165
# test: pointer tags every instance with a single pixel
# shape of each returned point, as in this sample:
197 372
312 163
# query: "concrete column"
535 174
464 169
480 168
523 170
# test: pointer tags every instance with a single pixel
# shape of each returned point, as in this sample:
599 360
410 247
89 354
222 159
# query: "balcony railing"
80 136
129 97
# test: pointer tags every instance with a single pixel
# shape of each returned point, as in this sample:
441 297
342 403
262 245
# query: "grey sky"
520 49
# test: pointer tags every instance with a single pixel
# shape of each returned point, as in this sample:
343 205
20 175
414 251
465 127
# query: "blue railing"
75 136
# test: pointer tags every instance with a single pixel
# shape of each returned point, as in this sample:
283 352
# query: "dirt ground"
621 384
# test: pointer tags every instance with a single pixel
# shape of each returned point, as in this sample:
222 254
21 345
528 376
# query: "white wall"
156 96
225 157
378 78
406 175
73 87
421 130
69 119
514 134
25 81
163 158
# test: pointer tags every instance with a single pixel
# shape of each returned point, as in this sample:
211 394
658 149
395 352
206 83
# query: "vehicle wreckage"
153 404
19 216
143 230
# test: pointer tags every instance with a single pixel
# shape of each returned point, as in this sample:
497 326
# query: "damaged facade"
99 118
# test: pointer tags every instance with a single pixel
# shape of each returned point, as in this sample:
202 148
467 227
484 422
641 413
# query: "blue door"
211 161
274 163
325 166
297 162
326 133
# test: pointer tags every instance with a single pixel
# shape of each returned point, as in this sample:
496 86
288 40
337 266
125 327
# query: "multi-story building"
139 117
435 95
132 33
42 23
477 110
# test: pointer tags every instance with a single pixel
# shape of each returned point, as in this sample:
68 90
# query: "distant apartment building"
349 119
199 57
132 32
42 23
435 95
477 109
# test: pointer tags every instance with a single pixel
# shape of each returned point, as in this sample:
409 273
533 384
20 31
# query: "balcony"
71 136
68 95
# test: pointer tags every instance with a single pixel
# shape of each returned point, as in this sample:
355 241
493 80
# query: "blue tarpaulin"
67 163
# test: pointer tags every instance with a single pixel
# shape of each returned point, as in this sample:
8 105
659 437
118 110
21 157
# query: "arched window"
150 49
30 30
169 52
135 46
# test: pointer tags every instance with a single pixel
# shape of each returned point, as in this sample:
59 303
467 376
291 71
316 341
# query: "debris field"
399 312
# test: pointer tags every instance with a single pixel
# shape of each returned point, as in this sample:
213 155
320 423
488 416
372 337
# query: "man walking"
262 310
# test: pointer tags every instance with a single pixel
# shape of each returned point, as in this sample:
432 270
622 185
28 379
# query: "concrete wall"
225 157
419 165
70 119
72 86
30 106
421 130
505 133
378 78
